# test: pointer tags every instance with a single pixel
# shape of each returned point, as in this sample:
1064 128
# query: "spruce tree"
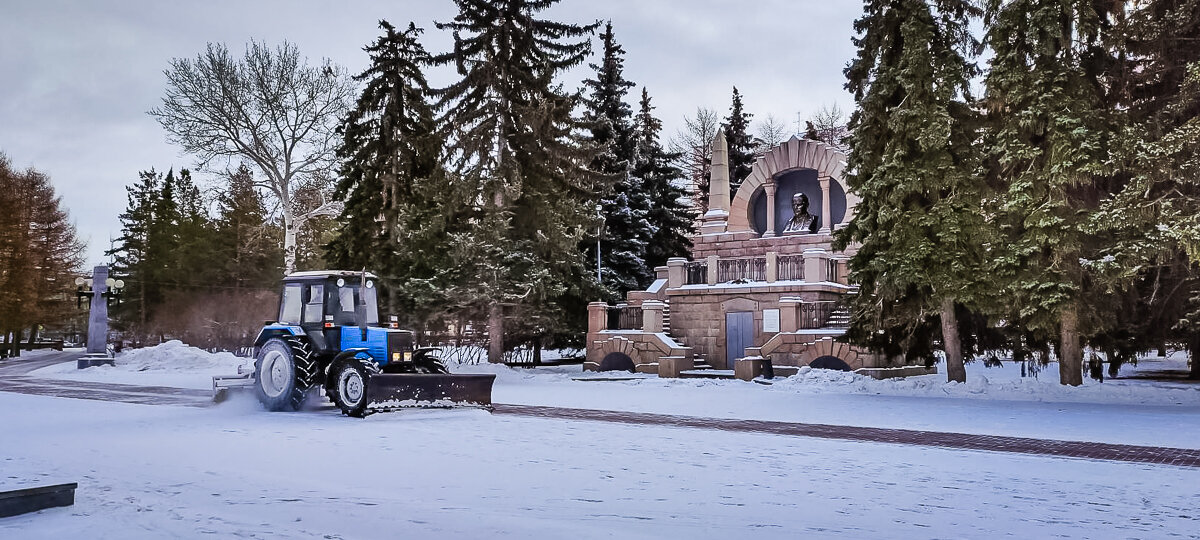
393 223
1047 138
670 215
195 236
248 245
1155 218
912 160
131 254
520 164
741 144
625 205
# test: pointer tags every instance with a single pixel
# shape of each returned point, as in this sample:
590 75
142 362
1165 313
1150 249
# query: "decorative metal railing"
814 314
790 267
697 273
831 270
748 269
625 317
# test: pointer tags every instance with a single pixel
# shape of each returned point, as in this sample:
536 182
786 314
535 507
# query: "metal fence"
749 269
625 317
697 272
814 314
790 267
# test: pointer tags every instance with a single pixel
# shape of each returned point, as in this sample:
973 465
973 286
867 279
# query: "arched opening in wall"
617 361
829 362
788 184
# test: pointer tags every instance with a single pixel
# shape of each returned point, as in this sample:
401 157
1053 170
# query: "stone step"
707 374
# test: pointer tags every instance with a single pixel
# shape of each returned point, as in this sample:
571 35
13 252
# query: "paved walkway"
1182 457
14 378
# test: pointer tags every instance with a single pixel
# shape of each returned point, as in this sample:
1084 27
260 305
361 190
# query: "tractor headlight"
395 357
408 356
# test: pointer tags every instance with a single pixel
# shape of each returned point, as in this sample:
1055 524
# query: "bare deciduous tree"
693 145
269 107
772 131
828 125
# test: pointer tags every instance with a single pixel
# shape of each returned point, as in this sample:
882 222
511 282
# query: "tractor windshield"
351 294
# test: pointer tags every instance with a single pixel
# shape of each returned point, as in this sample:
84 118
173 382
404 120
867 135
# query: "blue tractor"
328 336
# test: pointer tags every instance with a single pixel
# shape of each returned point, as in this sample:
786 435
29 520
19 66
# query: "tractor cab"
325 304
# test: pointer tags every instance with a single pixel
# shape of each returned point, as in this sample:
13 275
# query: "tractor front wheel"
350 380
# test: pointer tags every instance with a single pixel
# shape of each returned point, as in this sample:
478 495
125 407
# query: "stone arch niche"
619 354
793 162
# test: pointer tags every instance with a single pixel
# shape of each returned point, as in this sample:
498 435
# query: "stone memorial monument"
97 340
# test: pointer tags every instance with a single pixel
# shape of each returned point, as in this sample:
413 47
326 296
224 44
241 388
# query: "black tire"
348 386
283 372
429 364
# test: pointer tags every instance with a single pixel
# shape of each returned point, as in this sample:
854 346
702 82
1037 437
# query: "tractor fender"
424 351
346 355
272 331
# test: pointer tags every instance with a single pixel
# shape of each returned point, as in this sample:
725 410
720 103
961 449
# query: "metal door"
739 334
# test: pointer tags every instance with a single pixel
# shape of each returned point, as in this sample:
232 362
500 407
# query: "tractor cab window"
314 308
349 297
289 308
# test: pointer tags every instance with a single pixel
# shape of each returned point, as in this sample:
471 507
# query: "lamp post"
102 286
599 232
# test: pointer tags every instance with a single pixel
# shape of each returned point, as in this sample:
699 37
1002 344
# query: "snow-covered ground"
995 401
235 470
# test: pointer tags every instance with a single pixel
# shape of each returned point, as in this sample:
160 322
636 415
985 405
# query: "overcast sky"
77 77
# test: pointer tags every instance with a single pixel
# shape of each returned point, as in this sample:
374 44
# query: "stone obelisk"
97 341
716 220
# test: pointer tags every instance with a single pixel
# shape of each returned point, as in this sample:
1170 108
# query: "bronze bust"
802 222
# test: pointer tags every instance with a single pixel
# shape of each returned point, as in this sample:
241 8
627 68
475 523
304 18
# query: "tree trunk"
496 334
289 244
33 337
955 370
1194 355
15 350
1070 358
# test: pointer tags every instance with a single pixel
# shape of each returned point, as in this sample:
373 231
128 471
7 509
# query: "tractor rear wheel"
349 386
283 372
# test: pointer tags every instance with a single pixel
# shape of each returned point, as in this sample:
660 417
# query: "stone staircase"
838 318
700 362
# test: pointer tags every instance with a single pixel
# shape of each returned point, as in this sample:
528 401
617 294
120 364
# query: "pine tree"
626 205
248 245
195 236
1048 138
670 216
1155 218
519 163
131 255
912 160
741 144
394 221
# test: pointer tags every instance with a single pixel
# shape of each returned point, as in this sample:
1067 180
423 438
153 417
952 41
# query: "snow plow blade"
387 391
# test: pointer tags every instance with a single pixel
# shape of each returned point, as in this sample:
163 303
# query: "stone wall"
749 244
698 313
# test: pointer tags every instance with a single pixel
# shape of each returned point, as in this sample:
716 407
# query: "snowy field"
236 471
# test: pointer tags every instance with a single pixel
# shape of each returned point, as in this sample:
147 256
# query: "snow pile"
176 357
999 387
171 364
